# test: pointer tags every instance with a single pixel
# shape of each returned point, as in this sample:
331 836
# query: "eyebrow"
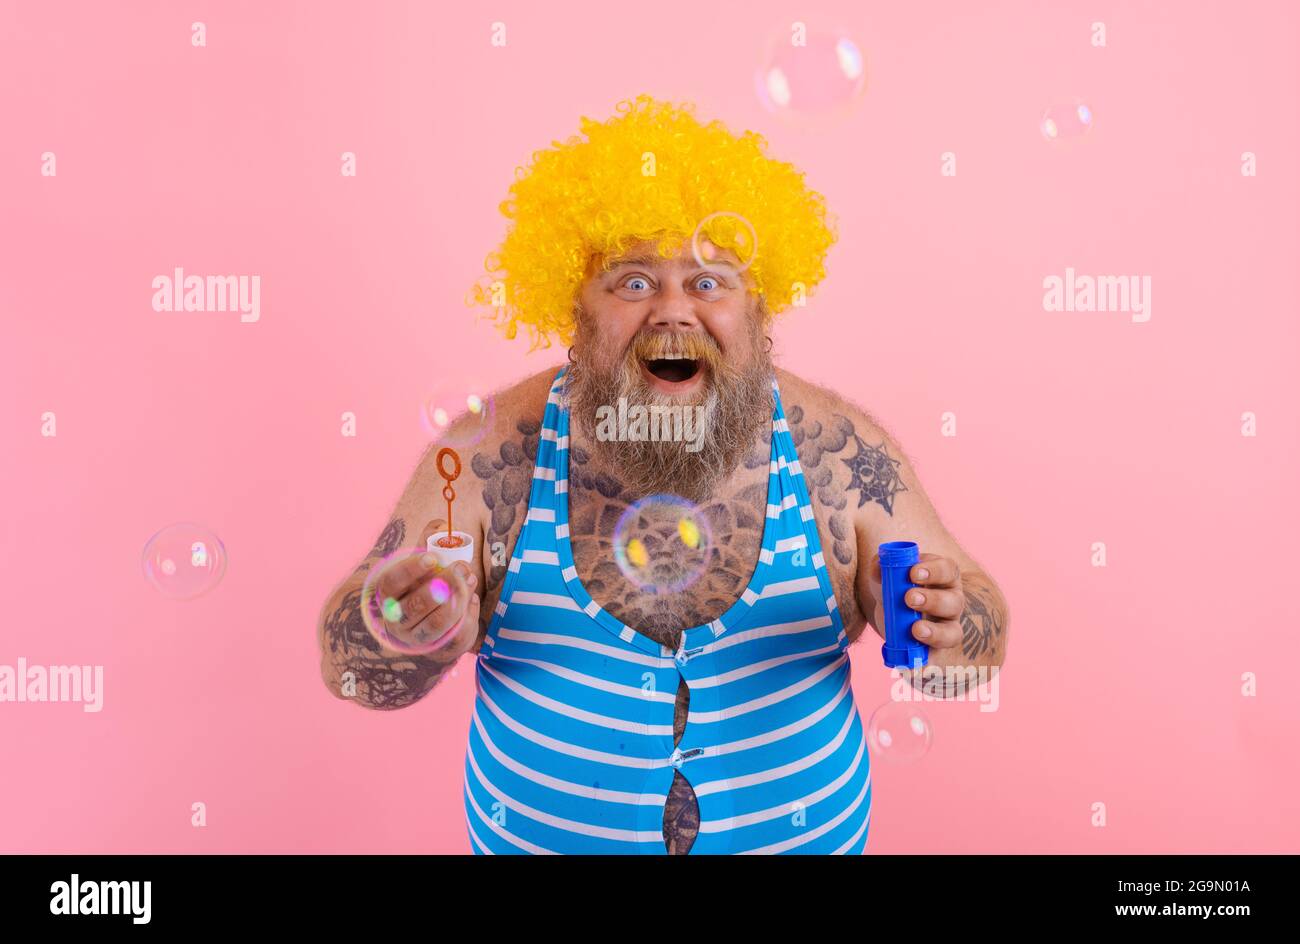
641 260
650 261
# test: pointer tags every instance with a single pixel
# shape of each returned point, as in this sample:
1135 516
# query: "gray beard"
737 405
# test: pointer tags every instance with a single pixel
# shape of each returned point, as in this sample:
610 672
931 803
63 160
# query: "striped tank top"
570 747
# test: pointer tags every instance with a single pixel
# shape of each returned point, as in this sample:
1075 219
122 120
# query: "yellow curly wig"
594 198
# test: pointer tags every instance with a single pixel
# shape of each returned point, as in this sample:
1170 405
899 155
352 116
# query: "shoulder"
517 424
852 466
500 439
504 416
830 423
855 467
523 400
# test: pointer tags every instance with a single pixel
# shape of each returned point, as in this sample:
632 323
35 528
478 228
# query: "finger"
456 638
941 604
403 576
461 635
418 604
466 629
461 582
938 635
934 571
435 606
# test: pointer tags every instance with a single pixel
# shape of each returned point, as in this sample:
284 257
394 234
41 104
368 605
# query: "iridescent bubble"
1071 120
384 603
899 732
807 73
184 561
663 543
724 239
457 417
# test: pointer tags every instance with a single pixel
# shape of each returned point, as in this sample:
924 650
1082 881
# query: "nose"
674 311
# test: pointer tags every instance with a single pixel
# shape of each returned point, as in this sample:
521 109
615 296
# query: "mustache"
661 345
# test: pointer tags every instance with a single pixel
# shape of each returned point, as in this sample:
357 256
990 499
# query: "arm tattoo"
389 541
817 442
981 624
875 475
872 473
814 440
382 681
826 447
507 485
507 482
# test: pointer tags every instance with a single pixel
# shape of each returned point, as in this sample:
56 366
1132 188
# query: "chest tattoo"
654 605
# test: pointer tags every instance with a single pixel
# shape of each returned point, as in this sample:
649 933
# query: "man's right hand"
433 603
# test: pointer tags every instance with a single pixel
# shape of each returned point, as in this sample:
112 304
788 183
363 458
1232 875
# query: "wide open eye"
636 283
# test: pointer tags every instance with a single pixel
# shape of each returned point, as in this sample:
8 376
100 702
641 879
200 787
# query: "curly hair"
652 173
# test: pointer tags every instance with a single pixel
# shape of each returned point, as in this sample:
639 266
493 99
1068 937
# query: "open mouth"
673 369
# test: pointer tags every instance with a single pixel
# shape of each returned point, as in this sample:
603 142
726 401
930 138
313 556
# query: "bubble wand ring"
448 493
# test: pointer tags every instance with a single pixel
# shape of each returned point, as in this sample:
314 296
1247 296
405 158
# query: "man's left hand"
937 596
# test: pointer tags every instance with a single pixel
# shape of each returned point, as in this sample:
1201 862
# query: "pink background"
1122 683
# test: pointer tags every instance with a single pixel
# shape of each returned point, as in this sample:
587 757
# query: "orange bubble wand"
448 492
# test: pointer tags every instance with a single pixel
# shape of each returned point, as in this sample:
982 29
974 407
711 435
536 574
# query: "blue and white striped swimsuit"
571 742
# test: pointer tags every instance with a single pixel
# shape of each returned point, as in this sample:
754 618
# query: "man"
663 674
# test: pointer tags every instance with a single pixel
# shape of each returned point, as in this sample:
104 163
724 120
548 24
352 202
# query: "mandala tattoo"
874 475
597 500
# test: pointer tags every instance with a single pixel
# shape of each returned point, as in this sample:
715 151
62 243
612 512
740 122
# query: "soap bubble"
457 416
810 73
663 543
899 732
379 611
1065 121
184 561
724 239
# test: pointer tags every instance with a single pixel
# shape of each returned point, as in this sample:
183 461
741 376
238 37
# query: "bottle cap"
896 553
910 656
